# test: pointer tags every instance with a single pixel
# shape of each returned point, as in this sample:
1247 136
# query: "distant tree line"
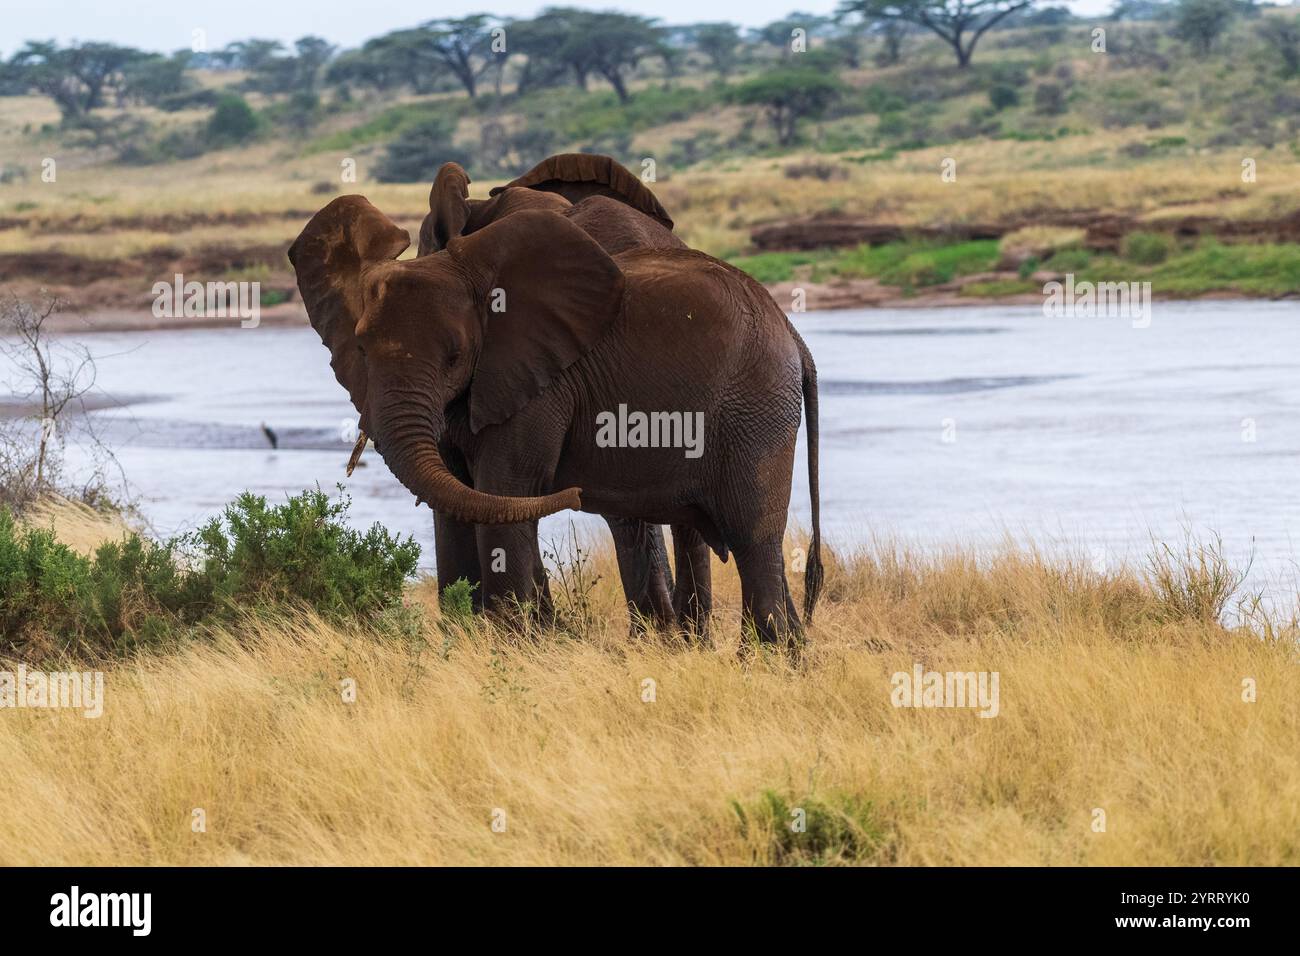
789 69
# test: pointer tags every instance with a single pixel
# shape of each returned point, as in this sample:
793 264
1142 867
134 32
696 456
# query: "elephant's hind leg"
765 594
693 590
643 568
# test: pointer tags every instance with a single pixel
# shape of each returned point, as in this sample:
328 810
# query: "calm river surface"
939 428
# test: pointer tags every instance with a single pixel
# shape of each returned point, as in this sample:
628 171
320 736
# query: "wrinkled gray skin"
648 584
431 367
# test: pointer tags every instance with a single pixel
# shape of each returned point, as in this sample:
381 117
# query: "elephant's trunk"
410 448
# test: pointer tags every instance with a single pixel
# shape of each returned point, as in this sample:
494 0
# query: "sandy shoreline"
851 294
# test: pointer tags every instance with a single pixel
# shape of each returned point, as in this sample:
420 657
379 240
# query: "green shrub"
457 602
416 154
770 267
842 828
126 594
913 263
233 121
1049 99
1146 248
135 591
1069 260
1003 96
301 552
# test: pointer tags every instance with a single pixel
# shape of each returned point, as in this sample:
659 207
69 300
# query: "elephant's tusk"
356 451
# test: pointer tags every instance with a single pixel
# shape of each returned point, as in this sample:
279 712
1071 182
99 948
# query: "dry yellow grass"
79 526
1106 704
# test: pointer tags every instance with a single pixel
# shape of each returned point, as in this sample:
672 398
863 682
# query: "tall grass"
593 747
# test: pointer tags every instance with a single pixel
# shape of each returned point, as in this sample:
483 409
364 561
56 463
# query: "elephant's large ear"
330 257
575 176
449 208
548 292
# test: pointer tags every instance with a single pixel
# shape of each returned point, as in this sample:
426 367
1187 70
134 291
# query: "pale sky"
167 25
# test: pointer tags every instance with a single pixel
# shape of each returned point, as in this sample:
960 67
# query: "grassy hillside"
1148 131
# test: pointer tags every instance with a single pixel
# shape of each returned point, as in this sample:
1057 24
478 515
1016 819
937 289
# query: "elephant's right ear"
330 257
449 209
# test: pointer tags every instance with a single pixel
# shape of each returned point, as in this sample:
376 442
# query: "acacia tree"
397 59
617 43
1200 22
76 76
464 46
780 33
541 40
789 94
567 40
718 41
960 23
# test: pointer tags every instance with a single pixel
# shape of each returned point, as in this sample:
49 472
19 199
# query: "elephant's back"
710 319
619 228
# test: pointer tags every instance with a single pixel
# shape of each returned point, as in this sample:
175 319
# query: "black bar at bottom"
214 906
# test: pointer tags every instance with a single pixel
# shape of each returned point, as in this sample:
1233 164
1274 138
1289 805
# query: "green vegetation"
416 155
1147 248
233 121
839 828
1267 269
770 267
914 264
1191 83
136 592
910 264
1208 266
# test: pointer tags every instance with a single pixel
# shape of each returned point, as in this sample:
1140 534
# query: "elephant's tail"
813 570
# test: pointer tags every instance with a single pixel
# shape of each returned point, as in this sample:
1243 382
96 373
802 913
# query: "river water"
939 428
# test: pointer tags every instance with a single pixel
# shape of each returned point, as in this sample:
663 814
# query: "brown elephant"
427 356
616 209
600 195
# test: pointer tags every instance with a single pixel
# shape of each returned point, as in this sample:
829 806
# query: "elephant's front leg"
513 573
693 592
455 546
455 543
643 568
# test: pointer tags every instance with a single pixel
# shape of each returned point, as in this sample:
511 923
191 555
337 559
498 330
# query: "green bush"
842 828
233 121
136 591
127 593
770 267
416 155
1049 99
1147 248
1003 96
301 552
1069 260
915 263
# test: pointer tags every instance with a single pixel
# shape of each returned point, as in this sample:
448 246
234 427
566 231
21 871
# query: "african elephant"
613 207
529 391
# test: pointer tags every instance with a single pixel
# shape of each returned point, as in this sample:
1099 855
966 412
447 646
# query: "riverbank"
817 297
